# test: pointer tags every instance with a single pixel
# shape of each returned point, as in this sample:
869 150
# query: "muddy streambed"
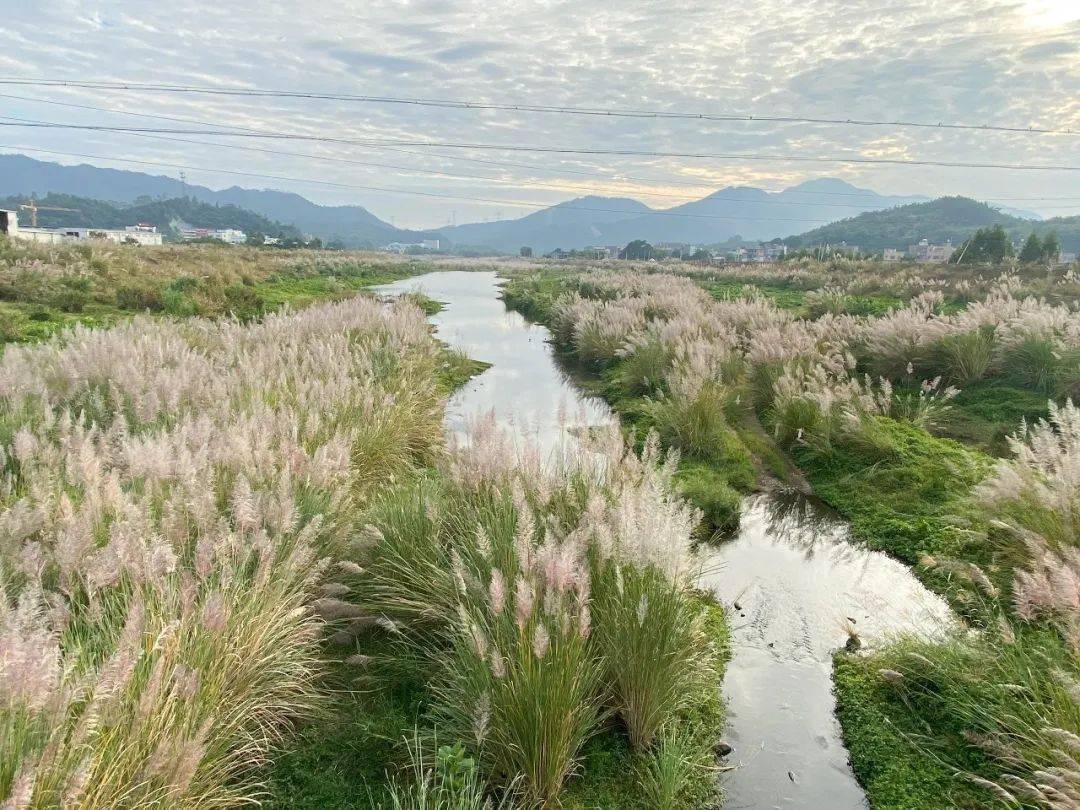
791 577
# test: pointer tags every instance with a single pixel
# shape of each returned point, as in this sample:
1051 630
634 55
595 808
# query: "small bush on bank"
693 418
966 357
709 490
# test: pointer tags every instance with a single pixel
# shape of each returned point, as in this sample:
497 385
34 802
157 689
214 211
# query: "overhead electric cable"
524 107
556 150
562 170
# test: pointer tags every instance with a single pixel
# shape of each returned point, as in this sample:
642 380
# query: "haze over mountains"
748 212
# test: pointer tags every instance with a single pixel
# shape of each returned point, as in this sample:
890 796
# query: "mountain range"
352 225
737 211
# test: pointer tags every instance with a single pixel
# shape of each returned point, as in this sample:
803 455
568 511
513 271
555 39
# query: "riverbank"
798 583
46 289
912 715
526 393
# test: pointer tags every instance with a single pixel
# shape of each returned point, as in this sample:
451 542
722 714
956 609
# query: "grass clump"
1003 707
709 490
516 584
162 641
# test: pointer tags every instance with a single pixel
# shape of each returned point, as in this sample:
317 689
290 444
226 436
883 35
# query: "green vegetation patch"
888 748
900 492
985 414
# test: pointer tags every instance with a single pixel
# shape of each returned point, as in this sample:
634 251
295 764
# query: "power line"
498 163
354 187
557 150
528 185
535 108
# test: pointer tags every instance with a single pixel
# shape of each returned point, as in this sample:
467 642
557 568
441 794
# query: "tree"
526 252
987 246
1051 247
638 249
1032 251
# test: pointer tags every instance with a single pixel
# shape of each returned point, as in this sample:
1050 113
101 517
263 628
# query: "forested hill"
165 214
954 218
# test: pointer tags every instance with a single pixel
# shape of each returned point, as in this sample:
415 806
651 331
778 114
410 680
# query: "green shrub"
643 372
1034 362
40 315
139 298
650 640
179 304
709 491
694 420
69 300
243 302
966 357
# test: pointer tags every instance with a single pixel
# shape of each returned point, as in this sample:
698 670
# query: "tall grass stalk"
170 493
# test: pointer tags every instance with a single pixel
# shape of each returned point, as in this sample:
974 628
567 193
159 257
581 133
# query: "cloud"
1048 50
370 60
934 60
468 51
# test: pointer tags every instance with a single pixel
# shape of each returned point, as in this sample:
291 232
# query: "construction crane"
33 208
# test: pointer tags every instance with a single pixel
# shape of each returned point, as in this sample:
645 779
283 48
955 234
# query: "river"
792 578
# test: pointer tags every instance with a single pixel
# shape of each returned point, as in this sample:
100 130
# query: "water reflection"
798 580
529 393
792 570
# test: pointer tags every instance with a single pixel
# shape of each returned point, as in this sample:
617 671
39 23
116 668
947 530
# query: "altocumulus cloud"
939 60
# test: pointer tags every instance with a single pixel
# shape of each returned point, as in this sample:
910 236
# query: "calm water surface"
524 387
792 571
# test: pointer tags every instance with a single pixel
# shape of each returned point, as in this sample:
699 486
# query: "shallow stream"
791 577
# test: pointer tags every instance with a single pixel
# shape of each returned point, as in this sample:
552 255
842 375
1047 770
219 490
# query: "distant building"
893 255
9 222
230 236
844 249
1066 258
141 234
924 252
405 247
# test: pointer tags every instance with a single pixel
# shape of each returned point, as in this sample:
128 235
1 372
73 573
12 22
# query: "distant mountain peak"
830 185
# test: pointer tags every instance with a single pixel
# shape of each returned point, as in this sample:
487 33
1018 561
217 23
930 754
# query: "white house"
9 222
141 234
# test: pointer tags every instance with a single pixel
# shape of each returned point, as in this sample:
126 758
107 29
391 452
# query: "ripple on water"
798 580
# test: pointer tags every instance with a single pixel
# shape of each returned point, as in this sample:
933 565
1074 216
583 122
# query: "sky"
1009 63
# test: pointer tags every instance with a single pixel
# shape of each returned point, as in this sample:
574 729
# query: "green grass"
888 748
29 323
986 413
796 299
342 759
901 497
781 296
